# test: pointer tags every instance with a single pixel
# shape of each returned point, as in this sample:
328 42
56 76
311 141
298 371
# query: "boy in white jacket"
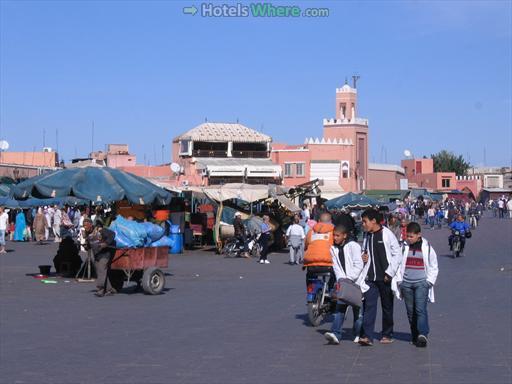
347 264
416 278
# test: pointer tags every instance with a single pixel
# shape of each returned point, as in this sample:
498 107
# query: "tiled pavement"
236 321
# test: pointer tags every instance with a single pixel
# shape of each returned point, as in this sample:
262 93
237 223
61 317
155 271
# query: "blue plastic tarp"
97 184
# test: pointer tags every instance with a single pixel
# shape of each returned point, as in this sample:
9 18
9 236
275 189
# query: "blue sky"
434 75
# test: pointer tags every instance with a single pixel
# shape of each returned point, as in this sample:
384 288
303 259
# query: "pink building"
21 165
46 158
385 176
339 158
472 183
117 156
420 172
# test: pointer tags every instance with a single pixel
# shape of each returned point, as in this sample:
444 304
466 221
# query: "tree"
445 161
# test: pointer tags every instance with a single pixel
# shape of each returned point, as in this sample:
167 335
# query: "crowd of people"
49 223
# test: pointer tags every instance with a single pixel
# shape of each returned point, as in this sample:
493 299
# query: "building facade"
339 159
23 165
116 156
219 153
386 177
420 173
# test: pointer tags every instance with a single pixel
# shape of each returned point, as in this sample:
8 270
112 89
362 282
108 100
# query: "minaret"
346 102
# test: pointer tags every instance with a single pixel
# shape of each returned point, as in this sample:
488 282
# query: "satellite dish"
407 153
175 167
4 145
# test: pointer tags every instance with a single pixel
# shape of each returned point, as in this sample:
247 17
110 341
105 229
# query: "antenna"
354 80
163 153
57 140
44 137
92 137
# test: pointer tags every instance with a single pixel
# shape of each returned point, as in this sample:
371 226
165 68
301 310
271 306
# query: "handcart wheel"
153 281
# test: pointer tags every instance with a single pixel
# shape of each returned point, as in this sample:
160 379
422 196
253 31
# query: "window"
300 170
345 170
184 147
445 183
288 170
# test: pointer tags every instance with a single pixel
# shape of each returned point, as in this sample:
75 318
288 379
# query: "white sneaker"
262 261
356 340
267 262
331 338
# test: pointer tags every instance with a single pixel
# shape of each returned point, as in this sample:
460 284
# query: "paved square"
236 321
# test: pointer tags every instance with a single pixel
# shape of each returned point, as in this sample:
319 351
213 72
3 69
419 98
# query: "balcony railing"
250 154
208 153
236 154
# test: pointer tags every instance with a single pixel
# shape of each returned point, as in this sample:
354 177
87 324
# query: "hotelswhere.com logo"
253 10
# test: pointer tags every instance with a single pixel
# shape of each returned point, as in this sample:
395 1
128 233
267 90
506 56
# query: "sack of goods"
165 241
154 232
131 234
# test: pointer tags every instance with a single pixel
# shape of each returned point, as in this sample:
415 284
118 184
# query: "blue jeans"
2 237
416 298
339 318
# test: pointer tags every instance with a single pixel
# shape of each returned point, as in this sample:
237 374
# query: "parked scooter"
235 248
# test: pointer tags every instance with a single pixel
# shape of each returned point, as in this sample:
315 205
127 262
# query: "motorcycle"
473 221
235 247
319 300
456 243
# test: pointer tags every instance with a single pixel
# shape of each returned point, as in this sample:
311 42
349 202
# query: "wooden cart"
142 265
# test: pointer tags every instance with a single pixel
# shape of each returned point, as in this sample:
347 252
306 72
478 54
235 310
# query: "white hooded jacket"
393 255
353 261
431 268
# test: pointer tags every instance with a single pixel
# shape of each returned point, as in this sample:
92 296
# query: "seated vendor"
102 242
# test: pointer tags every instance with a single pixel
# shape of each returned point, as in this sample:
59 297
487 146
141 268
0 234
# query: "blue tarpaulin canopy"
351 201
8 202
61 201
96 184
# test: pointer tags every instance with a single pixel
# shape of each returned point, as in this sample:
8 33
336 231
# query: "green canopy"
351 201
97 184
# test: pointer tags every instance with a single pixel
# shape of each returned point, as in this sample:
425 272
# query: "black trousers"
264 240
371 297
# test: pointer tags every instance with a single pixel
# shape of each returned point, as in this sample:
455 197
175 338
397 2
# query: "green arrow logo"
190 10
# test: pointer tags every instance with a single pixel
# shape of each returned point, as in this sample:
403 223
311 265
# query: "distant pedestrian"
40 226
20 227
48 216
295 237
431 214
264 240
57 221
306 215
416 278
4 224
501 208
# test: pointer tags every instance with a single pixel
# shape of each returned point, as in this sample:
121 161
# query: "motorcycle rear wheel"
315 315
